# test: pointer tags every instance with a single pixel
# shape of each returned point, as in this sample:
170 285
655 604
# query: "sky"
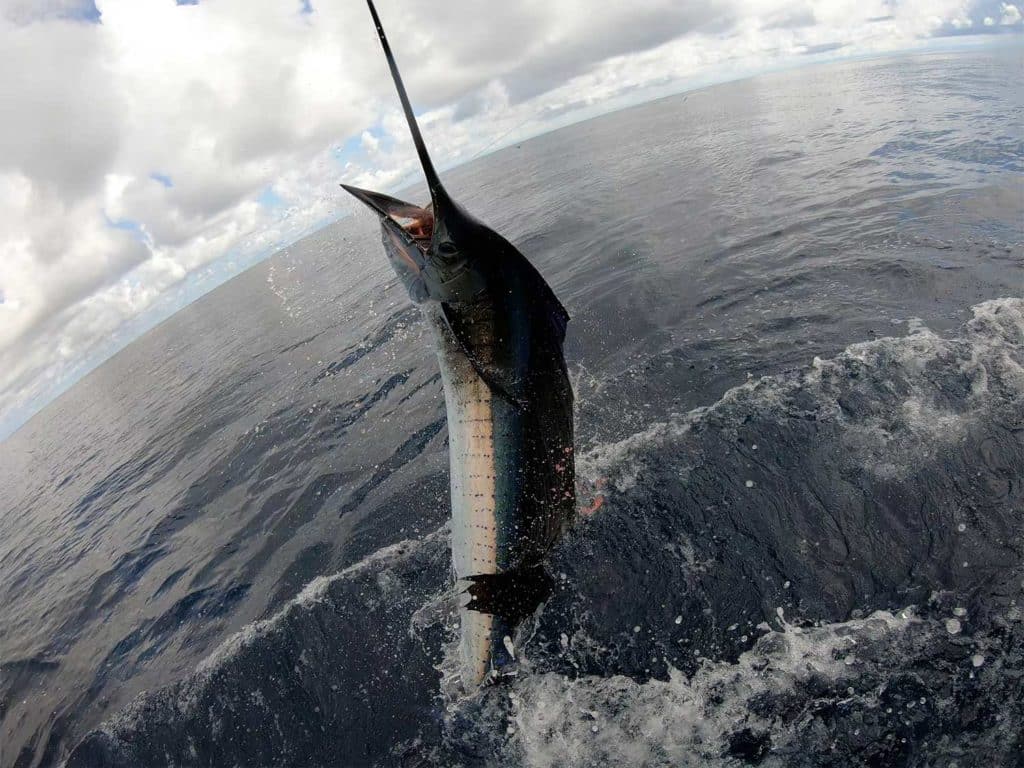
152 149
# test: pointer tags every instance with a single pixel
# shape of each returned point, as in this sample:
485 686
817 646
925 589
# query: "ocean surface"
797 343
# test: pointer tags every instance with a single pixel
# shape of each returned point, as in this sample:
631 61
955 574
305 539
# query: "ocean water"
797 343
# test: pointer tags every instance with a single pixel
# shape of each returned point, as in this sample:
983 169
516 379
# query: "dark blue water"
797 344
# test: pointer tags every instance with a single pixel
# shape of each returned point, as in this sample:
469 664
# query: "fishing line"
500 138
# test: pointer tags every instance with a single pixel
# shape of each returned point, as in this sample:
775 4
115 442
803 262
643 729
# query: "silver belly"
480 438
480 430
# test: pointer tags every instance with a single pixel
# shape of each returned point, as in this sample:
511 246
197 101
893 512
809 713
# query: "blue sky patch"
270 199
127 225
162 178
84 11
353 148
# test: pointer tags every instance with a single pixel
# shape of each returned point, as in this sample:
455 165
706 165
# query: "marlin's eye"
447 249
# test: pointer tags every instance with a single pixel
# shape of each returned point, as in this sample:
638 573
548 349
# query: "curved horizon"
75 297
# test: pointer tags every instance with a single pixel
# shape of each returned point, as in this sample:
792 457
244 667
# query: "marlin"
498 331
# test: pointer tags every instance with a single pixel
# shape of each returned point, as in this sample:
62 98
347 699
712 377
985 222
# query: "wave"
858 483
867 691
304 687
739 598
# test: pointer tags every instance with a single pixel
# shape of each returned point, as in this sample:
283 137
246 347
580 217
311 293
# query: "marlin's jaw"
422 250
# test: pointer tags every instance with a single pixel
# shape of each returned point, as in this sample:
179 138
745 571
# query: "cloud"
143 140
369 142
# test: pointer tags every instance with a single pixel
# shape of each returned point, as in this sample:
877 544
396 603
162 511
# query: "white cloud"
369 142
1011 15
136 152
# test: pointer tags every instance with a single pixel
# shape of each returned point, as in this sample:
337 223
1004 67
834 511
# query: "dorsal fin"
433 181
